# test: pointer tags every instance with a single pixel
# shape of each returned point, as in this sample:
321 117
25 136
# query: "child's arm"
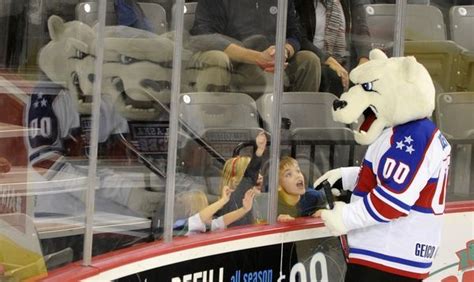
253 168
237 214
208 212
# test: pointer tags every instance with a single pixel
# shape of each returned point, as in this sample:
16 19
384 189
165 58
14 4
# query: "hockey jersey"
395 213
53 114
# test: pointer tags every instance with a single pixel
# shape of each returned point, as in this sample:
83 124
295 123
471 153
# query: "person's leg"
360 273
330 81
304 71
210 71
250 79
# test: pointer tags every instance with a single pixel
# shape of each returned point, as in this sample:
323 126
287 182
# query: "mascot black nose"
91 77
338 104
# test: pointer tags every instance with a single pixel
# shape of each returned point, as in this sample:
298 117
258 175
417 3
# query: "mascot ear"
55 27
411 69
377 54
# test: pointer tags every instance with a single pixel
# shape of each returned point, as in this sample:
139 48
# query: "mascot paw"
143 201
331 176
333 219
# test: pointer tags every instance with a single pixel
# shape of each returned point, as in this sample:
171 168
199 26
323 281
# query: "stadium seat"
455 118
441 59
212 124
423 22
466 72
461 23
308 116
87 12
189 11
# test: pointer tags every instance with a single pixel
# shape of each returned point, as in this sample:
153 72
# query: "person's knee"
308 58
215 58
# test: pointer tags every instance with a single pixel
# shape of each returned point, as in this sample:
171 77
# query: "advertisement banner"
315 260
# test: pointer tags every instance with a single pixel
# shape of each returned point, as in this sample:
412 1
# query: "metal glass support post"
276 110
399 28
92 170
173 126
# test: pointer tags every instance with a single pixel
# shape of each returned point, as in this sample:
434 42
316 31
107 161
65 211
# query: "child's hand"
247 201
285 218
261 141
317 213
225 197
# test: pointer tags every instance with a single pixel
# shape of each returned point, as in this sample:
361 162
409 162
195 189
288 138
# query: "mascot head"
67 59
387 92
137 71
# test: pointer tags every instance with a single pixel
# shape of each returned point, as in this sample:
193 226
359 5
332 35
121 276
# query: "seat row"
423 22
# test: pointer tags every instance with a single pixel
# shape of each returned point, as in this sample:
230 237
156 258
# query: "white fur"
405 92
58 58
333 219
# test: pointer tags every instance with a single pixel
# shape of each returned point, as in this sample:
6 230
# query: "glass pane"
446 50
40 126
134 120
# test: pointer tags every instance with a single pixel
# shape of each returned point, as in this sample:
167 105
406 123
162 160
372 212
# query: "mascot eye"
126 60
368 86
80 55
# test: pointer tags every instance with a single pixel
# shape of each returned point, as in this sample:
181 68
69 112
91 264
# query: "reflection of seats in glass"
20 252
189 11
440 58
455 118
87 12
423 22
461 22
309 118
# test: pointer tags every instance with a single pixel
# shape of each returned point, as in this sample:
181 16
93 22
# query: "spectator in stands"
294 198
130 14
242 174
336 30
238 46
198 214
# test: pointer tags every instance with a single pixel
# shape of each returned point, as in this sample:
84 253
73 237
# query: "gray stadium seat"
87 12
465 72
461 25
455 118
221 120
423 22
189 11
455 115
440 58
311 127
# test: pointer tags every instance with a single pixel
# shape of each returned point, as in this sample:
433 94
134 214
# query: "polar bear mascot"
59 114
393 221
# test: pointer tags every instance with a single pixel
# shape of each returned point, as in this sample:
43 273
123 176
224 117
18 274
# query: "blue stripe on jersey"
371 212
393 199
422 209
399 164
367 164
359 193
390 258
